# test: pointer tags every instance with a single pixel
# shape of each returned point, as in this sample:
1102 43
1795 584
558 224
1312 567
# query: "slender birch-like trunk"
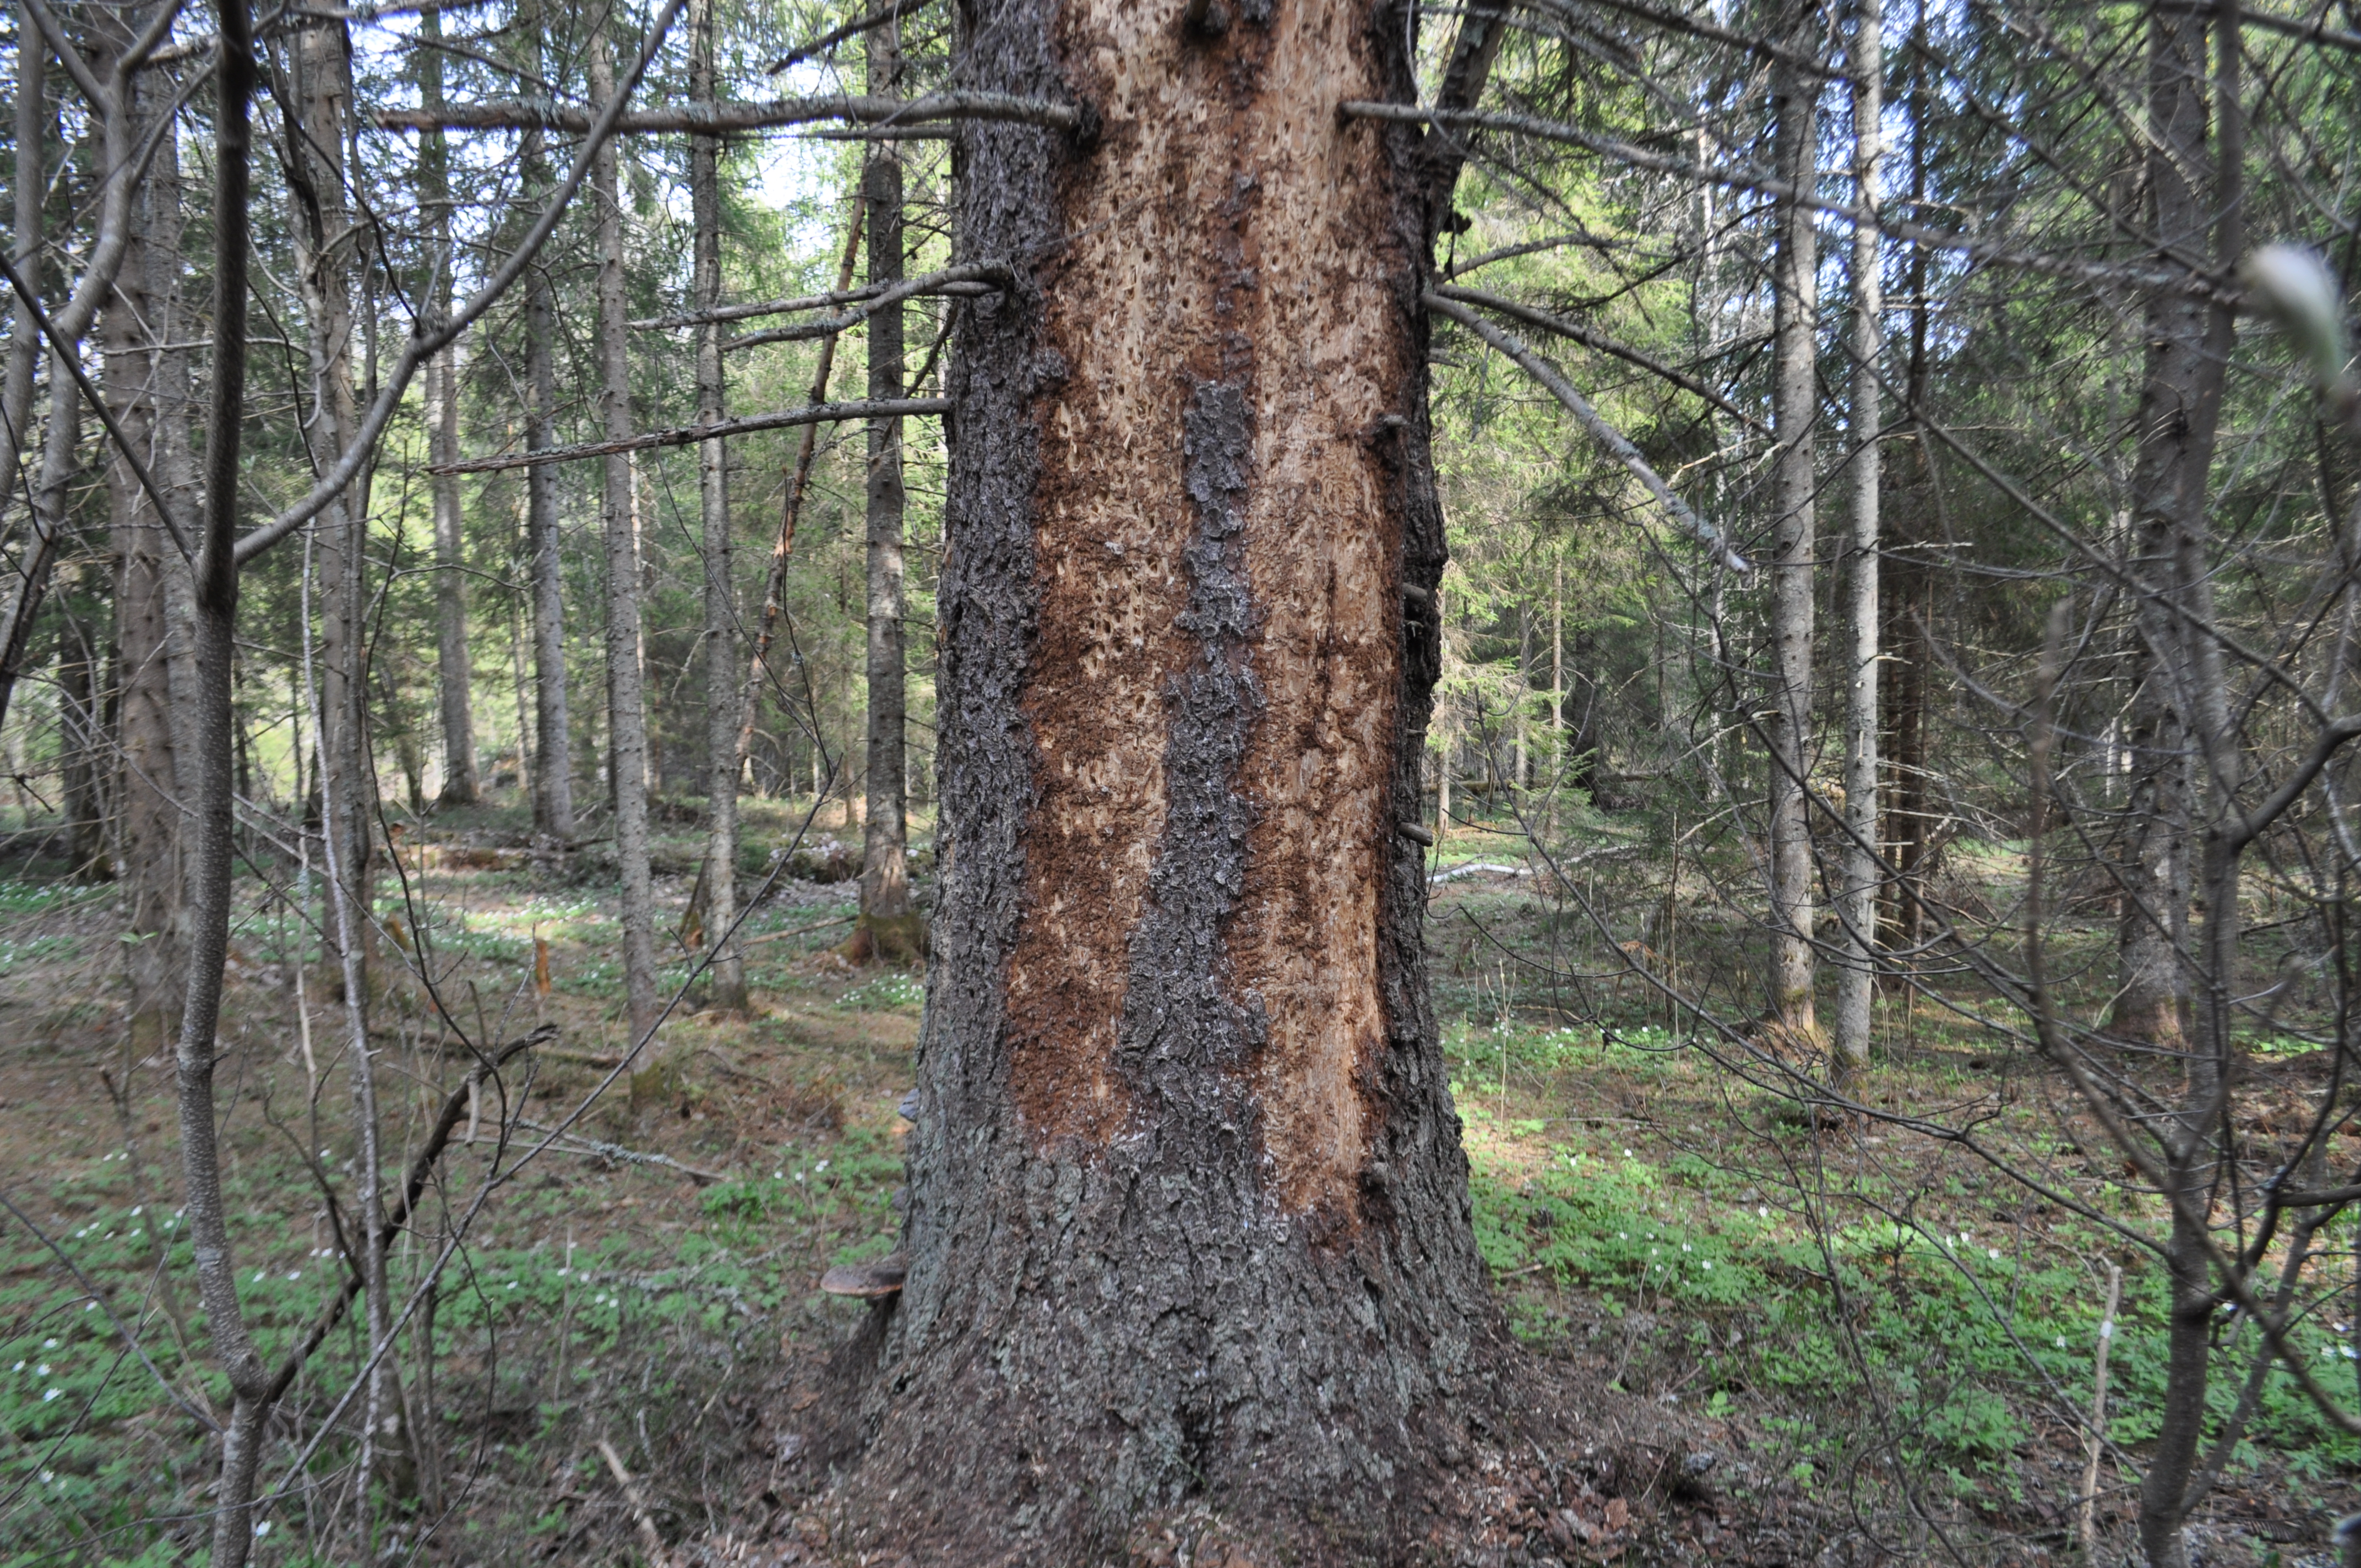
552 772
36 129
722 692
1794 418
453 675
627 719
1863 865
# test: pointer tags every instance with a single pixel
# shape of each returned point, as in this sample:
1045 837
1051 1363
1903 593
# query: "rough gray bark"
318 99
210 892
723 695
148 391
452 672
1795 419
114 121
553 769
2174 454
1863 867
888 928
1188 1207
627 751
2185 692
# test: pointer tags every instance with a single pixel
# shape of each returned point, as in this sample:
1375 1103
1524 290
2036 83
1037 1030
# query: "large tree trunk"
627 749
1863 866
722 694
454 675
889 928
1794 417
1188 1207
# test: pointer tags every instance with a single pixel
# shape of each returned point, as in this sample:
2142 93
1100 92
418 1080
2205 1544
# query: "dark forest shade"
1189 1210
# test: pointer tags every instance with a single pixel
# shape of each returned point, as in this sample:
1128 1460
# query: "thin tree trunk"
1796 423
2190 344
148 391
316 101
454 675
781 550
723 694
36 129
1863 865
215 600
1181 1101
552 773
627 720
1909 603
889 928
327 242
78 741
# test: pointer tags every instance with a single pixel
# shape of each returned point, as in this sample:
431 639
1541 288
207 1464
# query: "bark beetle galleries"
1213 697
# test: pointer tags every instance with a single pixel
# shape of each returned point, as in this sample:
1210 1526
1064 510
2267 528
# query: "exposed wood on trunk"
627 750
1180 1101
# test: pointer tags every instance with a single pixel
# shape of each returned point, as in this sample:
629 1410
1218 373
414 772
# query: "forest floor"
1767 1342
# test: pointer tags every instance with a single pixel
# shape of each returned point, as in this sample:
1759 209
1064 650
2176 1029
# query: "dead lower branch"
689 434
721 119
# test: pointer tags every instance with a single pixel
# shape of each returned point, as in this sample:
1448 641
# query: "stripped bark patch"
1182 335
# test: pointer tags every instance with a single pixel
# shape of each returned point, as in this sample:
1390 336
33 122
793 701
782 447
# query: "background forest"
1891 859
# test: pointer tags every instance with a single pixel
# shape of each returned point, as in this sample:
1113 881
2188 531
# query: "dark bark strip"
1188 1203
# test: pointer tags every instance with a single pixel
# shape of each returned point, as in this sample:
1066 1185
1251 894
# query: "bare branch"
689 434
1590 338
427 340
996 273
1738 178
1618 444
835 35
720 119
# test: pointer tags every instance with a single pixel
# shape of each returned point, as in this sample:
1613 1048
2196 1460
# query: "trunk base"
2149 1022
1003 1483
895 938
